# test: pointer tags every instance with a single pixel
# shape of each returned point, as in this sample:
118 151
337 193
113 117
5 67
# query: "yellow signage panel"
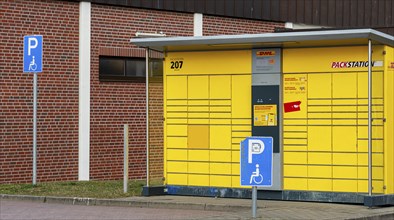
212 62
265 115
334 59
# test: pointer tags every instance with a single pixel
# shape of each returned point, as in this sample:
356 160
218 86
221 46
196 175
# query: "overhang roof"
321 38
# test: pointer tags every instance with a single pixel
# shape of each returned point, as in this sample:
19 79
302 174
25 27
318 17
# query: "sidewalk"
267 209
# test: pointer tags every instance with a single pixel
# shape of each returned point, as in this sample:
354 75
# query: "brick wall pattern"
112 103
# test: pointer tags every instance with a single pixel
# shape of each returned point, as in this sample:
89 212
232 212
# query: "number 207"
176 64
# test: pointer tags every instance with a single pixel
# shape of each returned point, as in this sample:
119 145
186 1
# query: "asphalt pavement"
223 208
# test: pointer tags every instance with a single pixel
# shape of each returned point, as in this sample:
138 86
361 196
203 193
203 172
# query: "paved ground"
179 207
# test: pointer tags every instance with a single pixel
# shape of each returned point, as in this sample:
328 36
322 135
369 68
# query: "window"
128 68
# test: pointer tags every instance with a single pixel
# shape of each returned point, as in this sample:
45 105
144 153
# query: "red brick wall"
57 126
213 25
112 103
116 103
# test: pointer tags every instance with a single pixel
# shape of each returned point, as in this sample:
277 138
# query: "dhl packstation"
330 113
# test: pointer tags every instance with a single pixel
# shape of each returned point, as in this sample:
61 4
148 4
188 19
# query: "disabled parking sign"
32 54
256 161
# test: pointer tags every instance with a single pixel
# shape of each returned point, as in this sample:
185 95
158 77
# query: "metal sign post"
32 63
256 165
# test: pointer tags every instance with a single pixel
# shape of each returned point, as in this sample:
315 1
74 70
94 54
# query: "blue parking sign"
256 161
32 54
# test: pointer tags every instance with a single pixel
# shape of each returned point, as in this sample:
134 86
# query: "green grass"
90 189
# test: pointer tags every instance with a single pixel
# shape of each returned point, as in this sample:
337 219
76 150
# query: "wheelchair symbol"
33 65
256 177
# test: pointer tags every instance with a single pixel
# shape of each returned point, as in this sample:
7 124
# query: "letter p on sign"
255 147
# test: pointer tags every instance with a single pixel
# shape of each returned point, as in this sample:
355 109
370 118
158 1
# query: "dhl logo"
265 53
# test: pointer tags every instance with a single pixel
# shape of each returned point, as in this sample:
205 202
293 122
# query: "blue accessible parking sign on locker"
256 161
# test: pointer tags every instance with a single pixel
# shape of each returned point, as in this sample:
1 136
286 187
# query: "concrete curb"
125 203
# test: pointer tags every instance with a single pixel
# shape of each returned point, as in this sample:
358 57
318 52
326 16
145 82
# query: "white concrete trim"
197 23
84 91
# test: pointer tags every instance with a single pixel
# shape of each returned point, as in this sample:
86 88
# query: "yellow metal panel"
344 185
295 171
220 109
240 134
320 184
294 158
221 121
198 115
220 168
294 121
320 115
176 167
349 104
344 85
220 137
319 85
362 186
377 173
362 172
198 108
295 141
319 108
175 121
344 122
301 135
237 140
377 146
198 167
319 158
377 84
220 87
377 186
295 184
198 87
235 156
198 136
236 182
294 148
177 102
214 62
345 172
173 154
319 138
198 155
176 108
176 142
235 169
198 180
198 121
220 156
176 130
240 121
325 102
176 179
241 96
289 128
244 128
219 115
320 171
344 158
220 102
344 138
347 115
389 125
176 87
176 115
377 159
192 102
220 181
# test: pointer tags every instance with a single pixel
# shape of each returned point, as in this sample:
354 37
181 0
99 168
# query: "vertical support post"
254 201
147 113
125 157
369 118
35 128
